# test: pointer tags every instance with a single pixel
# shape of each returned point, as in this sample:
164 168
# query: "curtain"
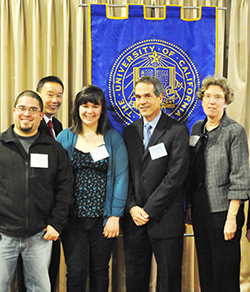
50 37
239 76
45 37
39 38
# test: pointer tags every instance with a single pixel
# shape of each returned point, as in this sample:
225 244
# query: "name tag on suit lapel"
157 151
193 140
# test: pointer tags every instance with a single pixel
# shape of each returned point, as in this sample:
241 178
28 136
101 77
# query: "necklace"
87 138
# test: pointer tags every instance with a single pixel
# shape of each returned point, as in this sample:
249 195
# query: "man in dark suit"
51 90
154 221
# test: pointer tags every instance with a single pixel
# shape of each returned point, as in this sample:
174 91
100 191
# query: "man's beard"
28 129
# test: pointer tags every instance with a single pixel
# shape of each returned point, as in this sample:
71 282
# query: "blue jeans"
53 268
35 252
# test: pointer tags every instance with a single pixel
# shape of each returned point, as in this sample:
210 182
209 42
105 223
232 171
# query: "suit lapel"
44 127
56 125
196 148
139 132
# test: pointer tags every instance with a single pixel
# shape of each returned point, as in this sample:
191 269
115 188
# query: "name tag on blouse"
157 151
39 160
99 153
193 140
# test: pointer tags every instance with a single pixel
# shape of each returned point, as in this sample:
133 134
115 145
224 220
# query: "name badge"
39 160
193 140
99 153
157 151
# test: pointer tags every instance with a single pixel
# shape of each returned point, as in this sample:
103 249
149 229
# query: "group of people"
82 185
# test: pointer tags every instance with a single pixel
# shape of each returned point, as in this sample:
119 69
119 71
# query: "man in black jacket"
36 186
51 90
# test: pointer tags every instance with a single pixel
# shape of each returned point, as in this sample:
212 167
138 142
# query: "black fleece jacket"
33 196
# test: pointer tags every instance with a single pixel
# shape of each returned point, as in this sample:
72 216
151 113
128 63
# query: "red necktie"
51 129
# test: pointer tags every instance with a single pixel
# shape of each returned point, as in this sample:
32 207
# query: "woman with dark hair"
100 165
219 184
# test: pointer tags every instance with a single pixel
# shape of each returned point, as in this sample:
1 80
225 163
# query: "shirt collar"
47 119
154 122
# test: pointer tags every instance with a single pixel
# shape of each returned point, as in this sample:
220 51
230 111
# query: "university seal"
164 60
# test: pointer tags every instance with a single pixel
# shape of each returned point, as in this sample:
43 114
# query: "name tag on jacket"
193 140
39 160
99 153
157 151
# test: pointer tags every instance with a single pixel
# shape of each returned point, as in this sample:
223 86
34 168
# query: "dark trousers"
54 264
53 269
138 247
87 253
218 259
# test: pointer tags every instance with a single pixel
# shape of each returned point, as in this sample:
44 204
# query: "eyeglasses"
216 96
32 110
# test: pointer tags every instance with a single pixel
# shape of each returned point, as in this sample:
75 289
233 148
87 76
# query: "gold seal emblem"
166 61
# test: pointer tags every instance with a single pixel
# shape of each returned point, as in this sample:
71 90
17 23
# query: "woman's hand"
230 227
231 224
111 228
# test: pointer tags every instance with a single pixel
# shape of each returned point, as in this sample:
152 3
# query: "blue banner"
179 52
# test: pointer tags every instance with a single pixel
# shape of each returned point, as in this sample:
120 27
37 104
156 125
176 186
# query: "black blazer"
157 185
56 125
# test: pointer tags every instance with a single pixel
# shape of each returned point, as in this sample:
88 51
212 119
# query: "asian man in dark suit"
51 90
154 221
